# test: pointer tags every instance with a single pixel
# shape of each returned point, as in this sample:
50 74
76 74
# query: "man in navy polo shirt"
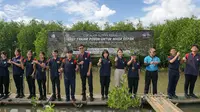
69 66
85 65
133 75
54 65
151 62
173 73
192 61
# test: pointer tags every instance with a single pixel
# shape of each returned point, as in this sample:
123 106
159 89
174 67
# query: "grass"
162 83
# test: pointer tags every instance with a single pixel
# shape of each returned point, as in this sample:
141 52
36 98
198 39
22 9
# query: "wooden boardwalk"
161 104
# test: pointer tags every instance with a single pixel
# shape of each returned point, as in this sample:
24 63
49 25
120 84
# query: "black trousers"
151 76
70 85
105 82
55 84
90 83
18 79
189 83
4 85
133 84
42 87
173 77
31 84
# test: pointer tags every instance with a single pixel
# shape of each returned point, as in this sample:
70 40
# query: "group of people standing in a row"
36 69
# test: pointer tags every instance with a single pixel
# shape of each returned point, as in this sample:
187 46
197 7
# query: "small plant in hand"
120 98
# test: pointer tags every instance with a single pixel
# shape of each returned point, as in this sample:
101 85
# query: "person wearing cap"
192 61
151 62
69 66
133 74
54 66
173 73
18 71
105 72
120 64
85 65
4 76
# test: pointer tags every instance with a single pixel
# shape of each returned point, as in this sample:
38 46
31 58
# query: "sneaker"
84 98
17 96
193 96
67 99
170 97
6 96
1 96
102 98
41 98
106 97
53 99
44 98
91 98
187 96
21 96
175 96
29 97
59 98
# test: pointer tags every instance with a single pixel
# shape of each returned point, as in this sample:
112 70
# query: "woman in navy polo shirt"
133 75
30 74
40 66
120 64
105 72
18 71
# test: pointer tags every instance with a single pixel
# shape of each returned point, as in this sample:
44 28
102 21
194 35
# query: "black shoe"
6 96
44 98
102 98
91 98
22 96
41 98
106 97
59 98
53 99
175 96
17 96
170 96
67 100
193 96
1 96
29 97
187 96
84 98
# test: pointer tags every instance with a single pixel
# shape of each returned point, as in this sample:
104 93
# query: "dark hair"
18 50
56 51
195 45
41 52
30 51
81 45
172 48
105 51
119 49
4 53
69 51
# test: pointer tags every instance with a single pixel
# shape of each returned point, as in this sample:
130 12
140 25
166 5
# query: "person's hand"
81 63
9 61
155 63
35 61
116 59
100 60
151 62
132 58
178 54
88 73
60 70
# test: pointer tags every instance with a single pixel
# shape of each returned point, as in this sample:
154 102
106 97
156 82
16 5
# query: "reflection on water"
69 109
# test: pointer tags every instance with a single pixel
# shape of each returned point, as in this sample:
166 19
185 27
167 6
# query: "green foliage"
119 26
85 26
49 108
120 98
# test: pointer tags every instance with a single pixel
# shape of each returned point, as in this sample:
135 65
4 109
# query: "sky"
99 11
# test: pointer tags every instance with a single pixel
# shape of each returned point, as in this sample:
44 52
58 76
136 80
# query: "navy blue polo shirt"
192 64
175 64
4 67
87 60
69 66
133 69
29 66
54 65
105 69
16 69
121 63
41 72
